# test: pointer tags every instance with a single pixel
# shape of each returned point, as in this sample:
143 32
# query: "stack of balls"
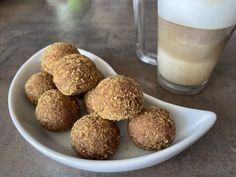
65 74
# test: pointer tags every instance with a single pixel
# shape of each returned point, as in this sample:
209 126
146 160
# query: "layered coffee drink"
191 38
187 56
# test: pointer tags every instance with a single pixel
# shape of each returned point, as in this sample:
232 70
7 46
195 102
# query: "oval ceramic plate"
191 124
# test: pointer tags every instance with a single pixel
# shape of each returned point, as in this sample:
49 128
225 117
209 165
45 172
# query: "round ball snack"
117 97
54 53
75 74
93 137
56 112
37 85
152 129
88 96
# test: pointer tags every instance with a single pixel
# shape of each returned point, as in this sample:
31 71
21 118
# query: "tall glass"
191 38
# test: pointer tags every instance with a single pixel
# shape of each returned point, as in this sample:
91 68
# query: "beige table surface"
105 27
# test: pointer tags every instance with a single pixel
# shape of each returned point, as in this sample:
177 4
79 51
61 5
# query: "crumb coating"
54 53
56 112
75 74
152 129
95 138
37 85
117 97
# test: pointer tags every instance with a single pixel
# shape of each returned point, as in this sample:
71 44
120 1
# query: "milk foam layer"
204 14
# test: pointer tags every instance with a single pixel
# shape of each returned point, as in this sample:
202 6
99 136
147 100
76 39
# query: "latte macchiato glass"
191 38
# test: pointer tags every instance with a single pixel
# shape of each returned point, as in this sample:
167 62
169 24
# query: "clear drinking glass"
142 12
191 38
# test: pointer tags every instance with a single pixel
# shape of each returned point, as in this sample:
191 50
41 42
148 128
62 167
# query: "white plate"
191 124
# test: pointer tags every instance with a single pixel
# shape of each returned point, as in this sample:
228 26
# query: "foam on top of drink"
205 14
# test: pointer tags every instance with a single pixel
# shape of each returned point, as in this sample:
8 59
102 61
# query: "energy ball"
93 137
152 129
56 112
37 85
75 74
54 53
88 96
117 97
